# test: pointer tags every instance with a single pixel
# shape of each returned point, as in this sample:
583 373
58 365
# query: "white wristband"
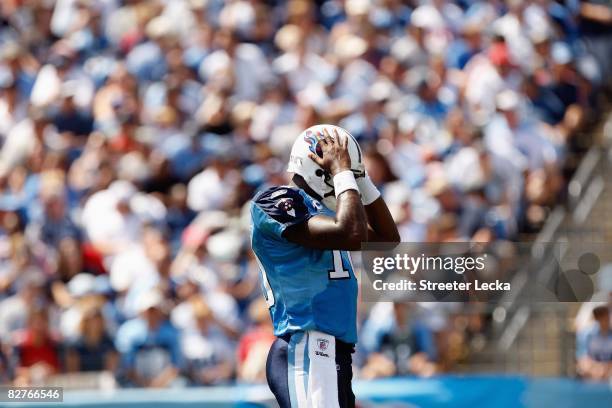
345 180
369 192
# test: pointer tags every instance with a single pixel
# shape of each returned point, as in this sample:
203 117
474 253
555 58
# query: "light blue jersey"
306 289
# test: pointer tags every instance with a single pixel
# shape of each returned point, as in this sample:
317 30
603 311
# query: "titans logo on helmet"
313 143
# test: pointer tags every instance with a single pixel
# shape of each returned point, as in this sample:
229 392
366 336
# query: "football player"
301 236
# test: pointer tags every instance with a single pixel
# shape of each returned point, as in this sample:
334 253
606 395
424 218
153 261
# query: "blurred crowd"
593 327
134 132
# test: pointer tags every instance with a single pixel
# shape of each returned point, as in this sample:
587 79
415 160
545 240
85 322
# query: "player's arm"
348 229
381 227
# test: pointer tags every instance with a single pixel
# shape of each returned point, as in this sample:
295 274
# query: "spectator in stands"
544 102
56 225
402 345
429 103
36 349
594 347
93 350
71 119
595 23
150 346
206 345
14 309
179 214
109 219
148 264
517 138
470 44
27 140
255 343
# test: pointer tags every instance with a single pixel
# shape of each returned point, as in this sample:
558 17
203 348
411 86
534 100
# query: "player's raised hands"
335 155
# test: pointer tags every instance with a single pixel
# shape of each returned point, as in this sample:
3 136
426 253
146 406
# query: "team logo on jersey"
322 345
286 205
313 143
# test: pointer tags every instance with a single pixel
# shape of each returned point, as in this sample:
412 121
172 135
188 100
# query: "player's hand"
335 153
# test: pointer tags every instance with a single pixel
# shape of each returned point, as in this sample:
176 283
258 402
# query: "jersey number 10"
338 272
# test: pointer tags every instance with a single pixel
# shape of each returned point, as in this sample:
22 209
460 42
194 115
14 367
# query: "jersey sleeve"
278 208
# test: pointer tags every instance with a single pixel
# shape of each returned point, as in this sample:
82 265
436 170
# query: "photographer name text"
427 285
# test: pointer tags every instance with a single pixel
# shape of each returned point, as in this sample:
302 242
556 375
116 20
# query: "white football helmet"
319 180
